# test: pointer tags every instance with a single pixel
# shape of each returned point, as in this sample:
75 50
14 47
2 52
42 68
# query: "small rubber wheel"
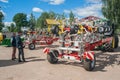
88 64
52 56
31 46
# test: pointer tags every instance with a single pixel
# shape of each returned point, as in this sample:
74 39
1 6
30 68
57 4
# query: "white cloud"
36 9
55 2
8 23
93 1
3 12
28 15
66 11
94 10
4 1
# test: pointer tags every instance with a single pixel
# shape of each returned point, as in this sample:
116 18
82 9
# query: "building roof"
89 18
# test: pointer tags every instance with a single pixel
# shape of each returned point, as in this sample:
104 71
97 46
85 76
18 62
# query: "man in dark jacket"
19 45
13 42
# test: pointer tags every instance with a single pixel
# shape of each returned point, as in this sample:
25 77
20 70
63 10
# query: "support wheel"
88 64
31 46
52 57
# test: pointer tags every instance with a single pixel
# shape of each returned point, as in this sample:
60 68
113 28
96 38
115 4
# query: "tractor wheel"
89 65
55 30
31 46
115 42
101 30
51 57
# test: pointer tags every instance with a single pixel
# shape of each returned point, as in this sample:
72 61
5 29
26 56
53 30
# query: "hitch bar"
70 49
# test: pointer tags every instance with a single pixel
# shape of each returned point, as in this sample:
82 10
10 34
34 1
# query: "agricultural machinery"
78 42
38 39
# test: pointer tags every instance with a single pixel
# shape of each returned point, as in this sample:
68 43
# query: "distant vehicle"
1 37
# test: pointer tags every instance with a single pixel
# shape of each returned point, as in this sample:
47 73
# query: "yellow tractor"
55 26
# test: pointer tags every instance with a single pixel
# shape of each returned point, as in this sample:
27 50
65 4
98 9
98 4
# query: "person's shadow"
5 63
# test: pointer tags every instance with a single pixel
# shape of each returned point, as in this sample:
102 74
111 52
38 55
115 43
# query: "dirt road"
37 67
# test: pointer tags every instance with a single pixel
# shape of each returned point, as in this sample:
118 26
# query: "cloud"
36 9
4 1
55 2
3 12
66 11
94 10
28 15
8 23
93 1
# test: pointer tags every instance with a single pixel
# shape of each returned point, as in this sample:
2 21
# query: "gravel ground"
38 68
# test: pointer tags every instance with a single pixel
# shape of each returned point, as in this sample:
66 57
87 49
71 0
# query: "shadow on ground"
5 63
105 59
117 49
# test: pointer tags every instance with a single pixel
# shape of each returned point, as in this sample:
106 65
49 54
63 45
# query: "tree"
63 16
60 16
8 27
71 17
41 20
12 27
52 15
32 22
21 20
111 11
1 19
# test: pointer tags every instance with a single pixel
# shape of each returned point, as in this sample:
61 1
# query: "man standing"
20 47
13 42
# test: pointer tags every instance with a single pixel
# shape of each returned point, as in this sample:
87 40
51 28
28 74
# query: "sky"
80 8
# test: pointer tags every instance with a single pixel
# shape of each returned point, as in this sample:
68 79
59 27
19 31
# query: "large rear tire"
55 30
115 41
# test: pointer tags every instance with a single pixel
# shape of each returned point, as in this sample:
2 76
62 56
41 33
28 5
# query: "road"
38 68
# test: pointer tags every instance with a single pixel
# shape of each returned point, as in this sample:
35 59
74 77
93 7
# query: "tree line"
110 10
21 20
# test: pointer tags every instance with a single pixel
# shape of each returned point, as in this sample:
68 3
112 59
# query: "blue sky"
81 8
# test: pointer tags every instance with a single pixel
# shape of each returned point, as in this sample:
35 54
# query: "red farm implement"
41 39
79 46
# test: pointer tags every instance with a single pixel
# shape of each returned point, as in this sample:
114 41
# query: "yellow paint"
1 37
52 22
80 31
113 42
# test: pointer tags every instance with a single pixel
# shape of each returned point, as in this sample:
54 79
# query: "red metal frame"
43 40
88 54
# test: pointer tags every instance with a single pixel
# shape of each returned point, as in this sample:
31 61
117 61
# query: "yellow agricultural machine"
55 26
1 37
